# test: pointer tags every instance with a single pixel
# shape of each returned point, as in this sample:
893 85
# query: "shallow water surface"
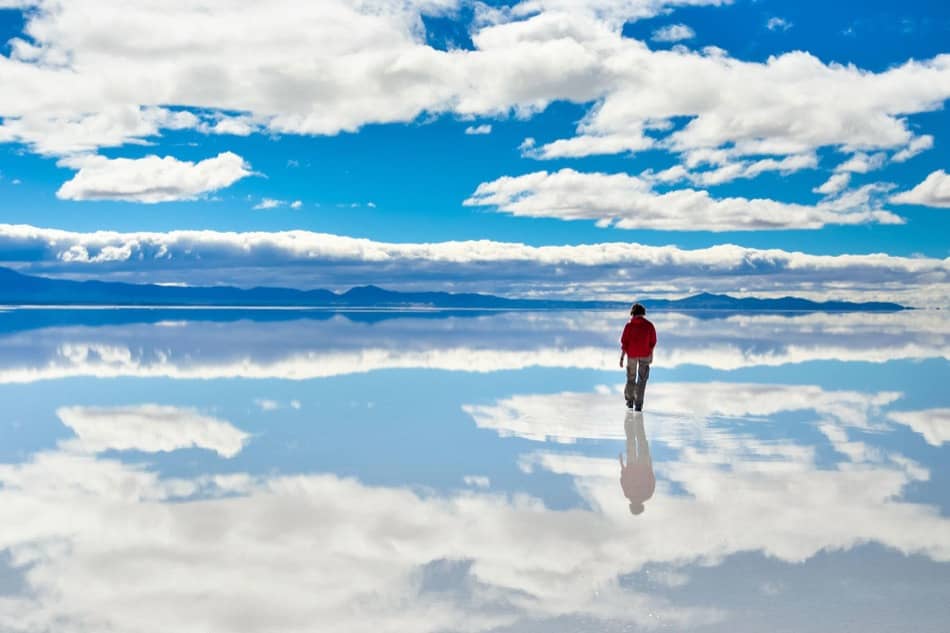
232 471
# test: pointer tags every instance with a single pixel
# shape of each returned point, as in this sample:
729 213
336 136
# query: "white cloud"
632 140
862 163
151 179
835 184
629 202
673 33
66 132
74 85
791 104
934 191
268 203
265 404
726 168
916 146
485 128
234 125
932 424
149 427
311 260
778 24
613 12
477 481
273 203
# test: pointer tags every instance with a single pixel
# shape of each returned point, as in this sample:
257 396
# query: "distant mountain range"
19 289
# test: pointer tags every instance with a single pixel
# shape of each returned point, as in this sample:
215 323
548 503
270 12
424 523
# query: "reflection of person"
636 476
637 342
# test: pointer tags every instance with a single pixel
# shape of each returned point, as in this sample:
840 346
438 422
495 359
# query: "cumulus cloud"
778 24
731 169
484 128
268 203
151 179
934 191
803 105
266 404
233 125
862 163
630 202
73 85
273 203
725 167
932 424
309 260
477 481
149 427
916 146
673 33
66 132
835 184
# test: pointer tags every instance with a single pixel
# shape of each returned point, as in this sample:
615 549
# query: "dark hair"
638 310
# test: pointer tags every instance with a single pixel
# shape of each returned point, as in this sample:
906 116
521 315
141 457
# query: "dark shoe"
639 407
629 404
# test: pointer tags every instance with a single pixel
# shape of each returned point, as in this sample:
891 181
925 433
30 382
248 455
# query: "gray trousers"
638 372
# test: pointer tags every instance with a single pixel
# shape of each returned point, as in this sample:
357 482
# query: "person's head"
636 508
638 310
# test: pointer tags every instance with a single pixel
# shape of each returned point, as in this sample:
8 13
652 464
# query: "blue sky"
649 139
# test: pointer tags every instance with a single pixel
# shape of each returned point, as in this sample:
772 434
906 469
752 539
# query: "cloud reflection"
102 541
303 349
569 416
932 424
150 428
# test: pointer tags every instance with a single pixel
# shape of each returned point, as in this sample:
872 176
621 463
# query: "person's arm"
652 338
623 343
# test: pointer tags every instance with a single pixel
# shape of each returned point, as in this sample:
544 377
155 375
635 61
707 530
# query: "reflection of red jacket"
638 481
638 338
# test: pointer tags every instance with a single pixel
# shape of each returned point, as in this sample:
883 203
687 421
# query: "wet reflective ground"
214 471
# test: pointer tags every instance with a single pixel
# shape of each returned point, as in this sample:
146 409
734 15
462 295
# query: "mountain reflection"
184 346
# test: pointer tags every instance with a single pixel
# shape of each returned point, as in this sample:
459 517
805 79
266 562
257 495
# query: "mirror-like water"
215 471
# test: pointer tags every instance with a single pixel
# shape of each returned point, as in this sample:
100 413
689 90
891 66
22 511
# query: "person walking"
637 343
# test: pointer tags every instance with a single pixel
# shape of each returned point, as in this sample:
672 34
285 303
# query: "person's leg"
643 447
629 427
629 391
643 374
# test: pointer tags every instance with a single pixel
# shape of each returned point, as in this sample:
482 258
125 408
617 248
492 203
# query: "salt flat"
227 472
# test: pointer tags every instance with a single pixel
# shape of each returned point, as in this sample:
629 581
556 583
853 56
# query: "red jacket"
638 338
